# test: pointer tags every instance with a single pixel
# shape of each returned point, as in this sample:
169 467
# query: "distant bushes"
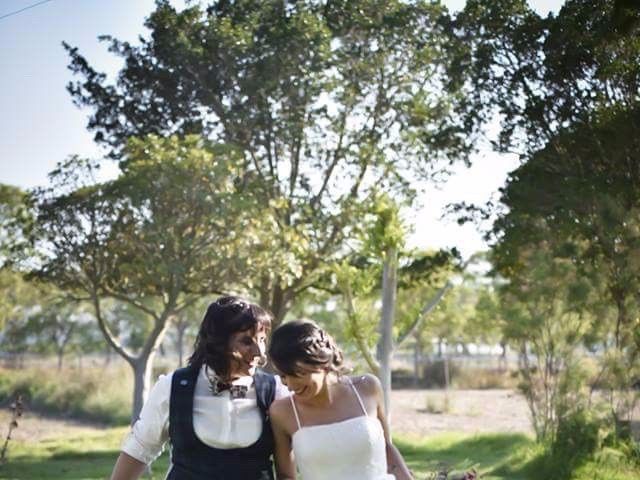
460 376
94 394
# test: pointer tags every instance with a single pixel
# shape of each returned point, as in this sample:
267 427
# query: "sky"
40 126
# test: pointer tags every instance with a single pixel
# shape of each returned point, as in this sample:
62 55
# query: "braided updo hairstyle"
304 343
224 317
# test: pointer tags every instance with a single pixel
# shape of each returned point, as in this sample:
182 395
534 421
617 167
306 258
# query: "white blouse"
218 421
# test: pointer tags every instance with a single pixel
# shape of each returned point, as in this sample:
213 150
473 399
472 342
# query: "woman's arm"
127 468
147 436
283 452
395 463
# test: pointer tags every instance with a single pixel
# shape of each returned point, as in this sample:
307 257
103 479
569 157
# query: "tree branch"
108 334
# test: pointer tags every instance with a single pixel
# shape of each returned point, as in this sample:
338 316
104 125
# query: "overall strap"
357 396
295 411
265 385
183 384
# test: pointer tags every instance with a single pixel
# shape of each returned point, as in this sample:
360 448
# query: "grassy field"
54 447
497 457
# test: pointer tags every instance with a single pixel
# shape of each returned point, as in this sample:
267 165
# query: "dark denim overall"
194 460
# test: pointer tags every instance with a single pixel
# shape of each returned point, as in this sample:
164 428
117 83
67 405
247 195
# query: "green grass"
490 454
88 456
504 457
496 456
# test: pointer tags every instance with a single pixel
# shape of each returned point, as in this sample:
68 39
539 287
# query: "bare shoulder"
282 417
280 409
367 384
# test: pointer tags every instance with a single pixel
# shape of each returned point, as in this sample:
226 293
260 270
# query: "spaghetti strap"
355 390
295 411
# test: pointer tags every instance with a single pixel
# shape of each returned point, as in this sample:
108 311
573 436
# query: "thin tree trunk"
180 343
446 381
279 306
385 345
417 361
60 357
108 356
141 383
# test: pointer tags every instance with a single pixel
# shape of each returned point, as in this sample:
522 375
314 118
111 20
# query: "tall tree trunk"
502 360
182 326
417 360
447 381
279 306
277 299
142 369
108 356
385 344
60 357
621 321
142 363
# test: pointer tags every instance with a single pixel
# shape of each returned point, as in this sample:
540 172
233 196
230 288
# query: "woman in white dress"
214 412
333 427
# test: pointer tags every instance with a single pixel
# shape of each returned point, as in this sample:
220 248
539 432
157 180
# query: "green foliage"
14 216
541 321
386 230
577 439
156 238
518 64
17 296
326 104
91 394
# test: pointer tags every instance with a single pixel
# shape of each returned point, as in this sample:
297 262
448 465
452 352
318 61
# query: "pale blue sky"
40 126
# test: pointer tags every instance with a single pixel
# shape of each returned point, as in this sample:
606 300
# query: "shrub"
484 378
578 437
438 405
433 373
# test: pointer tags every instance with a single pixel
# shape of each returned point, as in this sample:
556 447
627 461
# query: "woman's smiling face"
307 382
246 351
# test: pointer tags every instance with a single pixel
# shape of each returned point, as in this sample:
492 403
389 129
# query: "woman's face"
307 382
246 351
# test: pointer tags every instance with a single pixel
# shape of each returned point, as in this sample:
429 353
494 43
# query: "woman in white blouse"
214 411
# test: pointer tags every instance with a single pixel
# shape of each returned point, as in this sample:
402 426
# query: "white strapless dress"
353 449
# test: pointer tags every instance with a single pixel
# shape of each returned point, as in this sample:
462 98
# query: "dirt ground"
469 411
33 427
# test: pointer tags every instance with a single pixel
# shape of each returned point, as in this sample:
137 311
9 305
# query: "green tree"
584 204
13 214
156 239
325 101
16 295
542 75
57 326
566 89
589 199
374 274
546 320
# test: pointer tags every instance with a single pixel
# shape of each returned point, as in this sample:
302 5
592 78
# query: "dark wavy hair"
224 317
304 342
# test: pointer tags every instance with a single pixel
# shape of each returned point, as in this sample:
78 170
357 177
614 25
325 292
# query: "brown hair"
224 317
304 342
